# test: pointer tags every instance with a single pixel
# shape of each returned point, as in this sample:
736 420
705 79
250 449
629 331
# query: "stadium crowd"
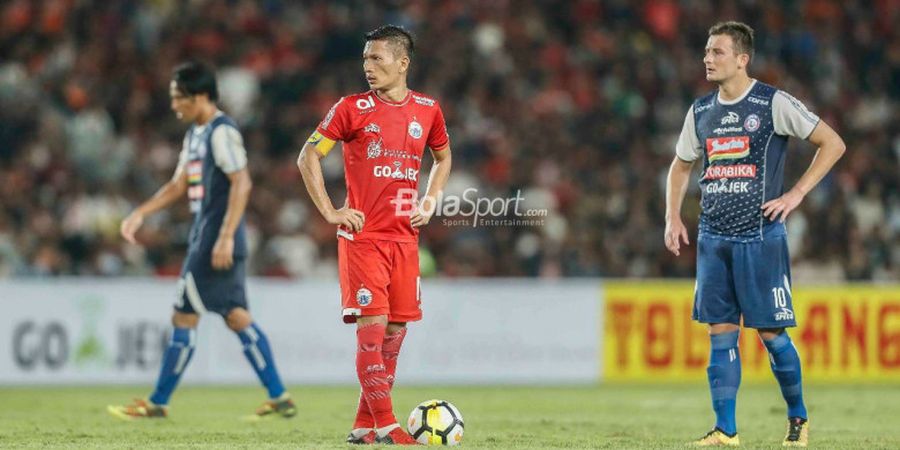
574 106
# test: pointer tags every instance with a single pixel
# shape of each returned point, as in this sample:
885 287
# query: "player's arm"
687 149
676 188
174 189
310 164
230 157
439 143
437 179
793 119
238 196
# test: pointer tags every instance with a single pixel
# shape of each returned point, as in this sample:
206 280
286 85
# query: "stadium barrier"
71 331
509 331
845 333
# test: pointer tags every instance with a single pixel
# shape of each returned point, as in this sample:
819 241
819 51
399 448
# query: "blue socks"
181 348
724 373
786 367
256 348
175 360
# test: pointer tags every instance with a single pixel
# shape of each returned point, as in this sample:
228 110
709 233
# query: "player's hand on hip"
422 214
130 226
348 218
223 253
675 233
782 206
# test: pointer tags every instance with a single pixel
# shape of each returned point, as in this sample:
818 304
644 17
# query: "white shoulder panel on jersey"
790 116
228 149
183 155
688 147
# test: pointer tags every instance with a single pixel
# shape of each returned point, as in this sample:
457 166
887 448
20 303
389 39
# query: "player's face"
383 68
184 106
721 61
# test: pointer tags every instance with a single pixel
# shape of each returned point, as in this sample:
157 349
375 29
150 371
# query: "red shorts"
379 278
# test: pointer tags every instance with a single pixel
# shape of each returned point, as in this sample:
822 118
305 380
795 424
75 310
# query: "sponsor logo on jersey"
373 150
365 103
195 171
396 172
423 100
726 130
415 129
734 171
701 108
733 147
784 314
195 192
400 154
758 101
363 297
327 120
751 123
372 128
732 117
726 186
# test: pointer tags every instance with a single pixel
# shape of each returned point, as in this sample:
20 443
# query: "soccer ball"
436 422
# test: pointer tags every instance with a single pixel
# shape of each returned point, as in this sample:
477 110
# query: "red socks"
376 364
390 350
376 390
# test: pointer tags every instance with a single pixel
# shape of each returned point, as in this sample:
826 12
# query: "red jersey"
383 147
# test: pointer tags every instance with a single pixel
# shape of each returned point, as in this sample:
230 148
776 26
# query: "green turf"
496 417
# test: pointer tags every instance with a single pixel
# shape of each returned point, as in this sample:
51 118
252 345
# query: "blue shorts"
737 279
202 289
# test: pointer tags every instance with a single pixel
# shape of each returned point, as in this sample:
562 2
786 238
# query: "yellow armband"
321 143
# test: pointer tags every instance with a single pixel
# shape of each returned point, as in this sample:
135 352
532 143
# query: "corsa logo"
733 147
735 171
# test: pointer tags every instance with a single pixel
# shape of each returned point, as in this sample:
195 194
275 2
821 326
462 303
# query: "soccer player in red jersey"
384 133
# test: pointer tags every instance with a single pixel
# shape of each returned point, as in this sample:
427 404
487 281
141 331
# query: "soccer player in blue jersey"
740 132
212 171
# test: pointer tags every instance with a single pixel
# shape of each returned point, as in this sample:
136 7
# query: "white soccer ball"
436 422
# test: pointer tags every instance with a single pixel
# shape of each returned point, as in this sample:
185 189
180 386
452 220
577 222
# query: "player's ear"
743 60
404 64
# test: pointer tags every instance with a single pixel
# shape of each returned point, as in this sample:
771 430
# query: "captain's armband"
322 144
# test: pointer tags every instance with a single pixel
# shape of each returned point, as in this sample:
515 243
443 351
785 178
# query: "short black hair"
396 35
193 78
741 35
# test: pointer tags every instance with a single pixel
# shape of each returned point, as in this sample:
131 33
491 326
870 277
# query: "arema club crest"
751 123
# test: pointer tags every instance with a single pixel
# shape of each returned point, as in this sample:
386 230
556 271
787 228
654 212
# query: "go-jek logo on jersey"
732 147
735 171
396 172
726 186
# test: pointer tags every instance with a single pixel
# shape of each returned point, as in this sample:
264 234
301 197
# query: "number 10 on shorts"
780 297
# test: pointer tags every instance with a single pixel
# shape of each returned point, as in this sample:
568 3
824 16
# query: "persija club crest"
415 129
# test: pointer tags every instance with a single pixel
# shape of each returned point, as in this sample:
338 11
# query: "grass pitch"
607 416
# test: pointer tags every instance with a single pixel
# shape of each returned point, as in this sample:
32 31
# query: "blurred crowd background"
576 104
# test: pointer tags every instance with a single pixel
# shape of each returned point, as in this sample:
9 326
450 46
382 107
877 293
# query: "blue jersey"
210 152
743 145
